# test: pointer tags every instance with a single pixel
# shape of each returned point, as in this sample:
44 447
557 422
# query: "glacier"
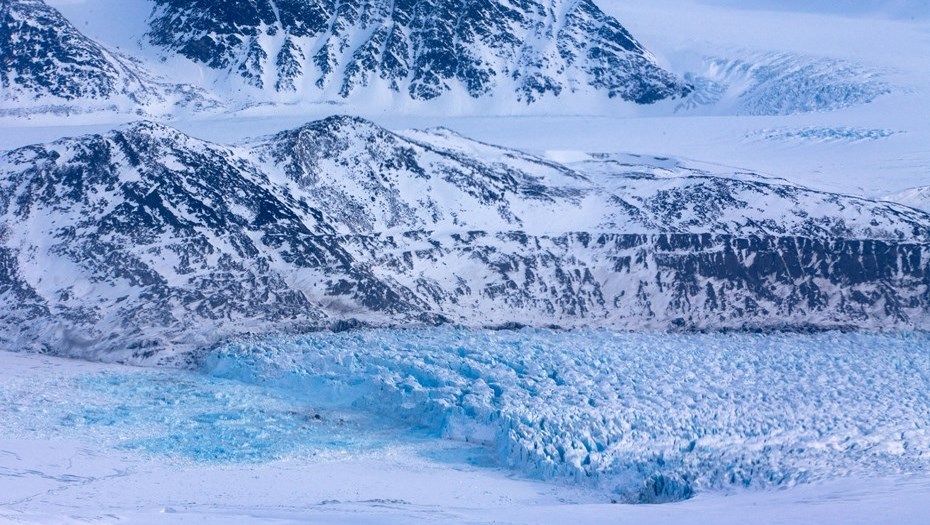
185 417
641 417
760 84
439 425
778 189
628 417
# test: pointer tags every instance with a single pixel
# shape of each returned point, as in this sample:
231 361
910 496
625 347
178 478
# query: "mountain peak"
162 240
522 49
43 55
47 64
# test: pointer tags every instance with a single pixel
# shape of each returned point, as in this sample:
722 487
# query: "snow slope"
50 66
917 197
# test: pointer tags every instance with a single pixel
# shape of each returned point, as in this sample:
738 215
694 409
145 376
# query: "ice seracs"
640 417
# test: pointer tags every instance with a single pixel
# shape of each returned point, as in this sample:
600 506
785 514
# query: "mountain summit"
48 64
145 238
426 48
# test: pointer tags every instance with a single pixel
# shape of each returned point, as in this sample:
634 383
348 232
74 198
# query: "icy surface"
52 472
639 418
183 416
645 417
782 84
821 134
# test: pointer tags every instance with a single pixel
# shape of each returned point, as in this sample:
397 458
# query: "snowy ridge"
780 84
645 418
371 180
916 197
168 242
489 57
47 65
324 50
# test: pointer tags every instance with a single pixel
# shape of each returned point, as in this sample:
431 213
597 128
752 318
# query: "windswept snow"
917 197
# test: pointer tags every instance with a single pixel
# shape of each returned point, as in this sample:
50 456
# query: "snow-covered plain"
440 425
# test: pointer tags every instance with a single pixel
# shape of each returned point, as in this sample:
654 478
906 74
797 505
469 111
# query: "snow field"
57 473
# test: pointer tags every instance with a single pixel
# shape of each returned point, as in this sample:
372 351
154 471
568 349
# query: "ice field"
582 419
645 418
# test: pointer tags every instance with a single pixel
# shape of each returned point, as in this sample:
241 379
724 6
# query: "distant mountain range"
506 48
323 50
479 56
145 238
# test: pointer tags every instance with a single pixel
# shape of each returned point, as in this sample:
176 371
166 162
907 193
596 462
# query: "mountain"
144 238
145 227
45 62
523 49
918 197
781 83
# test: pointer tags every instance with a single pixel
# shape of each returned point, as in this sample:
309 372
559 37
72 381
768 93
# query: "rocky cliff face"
145 238
43 53
662 281
45 61
523 49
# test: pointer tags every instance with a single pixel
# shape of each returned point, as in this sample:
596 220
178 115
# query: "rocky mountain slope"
522 49
46 64
145 238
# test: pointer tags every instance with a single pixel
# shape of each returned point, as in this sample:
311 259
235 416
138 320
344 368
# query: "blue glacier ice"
823 134
648 417
185 416
638 417
779 83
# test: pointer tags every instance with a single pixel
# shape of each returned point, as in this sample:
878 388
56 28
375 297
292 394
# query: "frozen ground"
475 426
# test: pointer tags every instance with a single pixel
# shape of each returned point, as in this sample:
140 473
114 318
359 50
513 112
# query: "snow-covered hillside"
47 65
150 239
321 49
916 197
378 54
